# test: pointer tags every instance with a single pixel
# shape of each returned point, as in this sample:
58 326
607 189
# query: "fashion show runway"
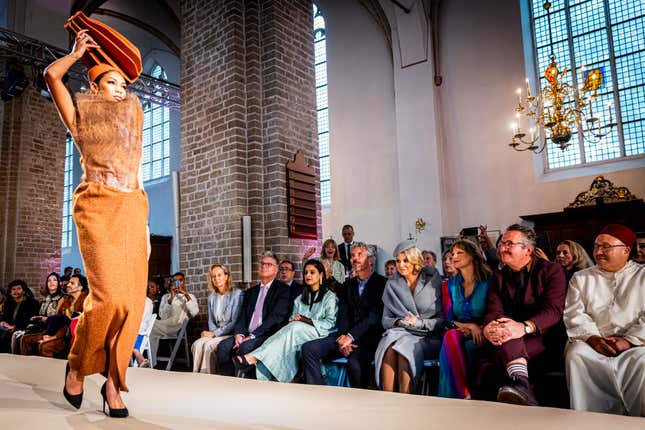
31 398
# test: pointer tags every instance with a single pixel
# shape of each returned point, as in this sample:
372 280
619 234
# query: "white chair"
182 335
145 343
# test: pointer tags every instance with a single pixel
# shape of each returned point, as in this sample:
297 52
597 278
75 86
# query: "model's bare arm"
54 77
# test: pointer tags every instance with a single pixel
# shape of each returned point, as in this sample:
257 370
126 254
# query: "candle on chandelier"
519 96
528 88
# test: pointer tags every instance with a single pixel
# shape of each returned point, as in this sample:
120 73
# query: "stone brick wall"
248 103
32 159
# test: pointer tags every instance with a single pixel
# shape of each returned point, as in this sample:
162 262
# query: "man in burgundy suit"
525 300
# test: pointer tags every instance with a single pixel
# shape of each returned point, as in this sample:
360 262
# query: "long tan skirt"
111 227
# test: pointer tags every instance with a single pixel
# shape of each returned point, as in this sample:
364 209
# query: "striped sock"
517 369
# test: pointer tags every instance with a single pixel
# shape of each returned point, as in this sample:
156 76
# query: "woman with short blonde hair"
412 319
224 305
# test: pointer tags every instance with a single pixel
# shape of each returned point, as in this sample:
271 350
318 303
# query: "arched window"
68 190
320 62
605 34
156 136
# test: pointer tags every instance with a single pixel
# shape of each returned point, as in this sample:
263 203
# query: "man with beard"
605 319
525 301
360 309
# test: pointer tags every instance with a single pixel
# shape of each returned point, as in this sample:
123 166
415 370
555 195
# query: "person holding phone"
176 306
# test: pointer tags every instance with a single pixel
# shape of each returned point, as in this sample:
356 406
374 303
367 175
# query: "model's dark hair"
307 294
44 291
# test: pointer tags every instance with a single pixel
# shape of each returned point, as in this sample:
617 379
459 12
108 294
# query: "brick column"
248 103
32 162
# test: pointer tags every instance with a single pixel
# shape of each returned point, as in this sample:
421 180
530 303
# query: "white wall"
382 144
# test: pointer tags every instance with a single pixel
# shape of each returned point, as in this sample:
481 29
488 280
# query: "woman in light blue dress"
313 317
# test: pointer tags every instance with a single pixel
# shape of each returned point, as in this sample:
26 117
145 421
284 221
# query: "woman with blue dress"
313 317
464 298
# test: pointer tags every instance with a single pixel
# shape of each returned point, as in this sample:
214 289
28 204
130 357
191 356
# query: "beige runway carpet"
31 398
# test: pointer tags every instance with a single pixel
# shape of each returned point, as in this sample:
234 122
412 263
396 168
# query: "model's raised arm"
54 77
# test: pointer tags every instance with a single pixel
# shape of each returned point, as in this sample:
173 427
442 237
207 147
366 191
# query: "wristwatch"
527 328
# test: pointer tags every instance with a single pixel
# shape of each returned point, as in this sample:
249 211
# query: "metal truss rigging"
38 54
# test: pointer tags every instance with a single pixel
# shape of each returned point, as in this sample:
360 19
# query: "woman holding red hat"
110 209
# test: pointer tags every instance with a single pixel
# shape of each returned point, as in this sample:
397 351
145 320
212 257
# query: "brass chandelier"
558 107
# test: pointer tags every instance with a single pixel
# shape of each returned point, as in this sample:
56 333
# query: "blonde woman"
572 257
224 305
330 258
412 319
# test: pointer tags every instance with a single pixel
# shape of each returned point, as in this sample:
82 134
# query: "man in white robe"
605 320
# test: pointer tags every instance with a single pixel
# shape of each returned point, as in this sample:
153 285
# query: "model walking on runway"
110 208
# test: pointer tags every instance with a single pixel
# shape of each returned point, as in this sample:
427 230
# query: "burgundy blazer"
546 290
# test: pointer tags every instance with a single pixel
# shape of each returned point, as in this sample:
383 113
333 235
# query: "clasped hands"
502 330
239 340
608 346
345 345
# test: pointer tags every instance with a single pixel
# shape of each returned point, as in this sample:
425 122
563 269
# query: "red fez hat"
115 52
621 233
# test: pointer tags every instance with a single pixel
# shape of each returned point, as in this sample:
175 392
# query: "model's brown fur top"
108 136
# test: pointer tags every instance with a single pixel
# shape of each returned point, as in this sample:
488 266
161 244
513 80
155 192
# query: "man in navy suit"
360 309
265 308
345 249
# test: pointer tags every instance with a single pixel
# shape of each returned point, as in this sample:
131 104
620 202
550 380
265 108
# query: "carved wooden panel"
301 199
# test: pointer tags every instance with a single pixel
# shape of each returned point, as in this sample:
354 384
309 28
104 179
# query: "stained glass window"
609 34
68 190
320 63
156 136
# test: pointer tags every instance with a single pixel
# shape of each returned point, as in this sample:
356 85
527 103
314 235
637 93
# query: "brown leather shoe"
518 392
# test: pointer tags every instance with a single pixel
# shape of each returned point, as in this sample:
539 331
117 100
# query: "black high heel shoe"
114 413
73 399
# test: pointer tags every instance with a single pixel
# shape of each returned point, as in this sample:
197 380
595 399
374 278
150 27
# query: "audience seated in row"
313 317
265 309
52 338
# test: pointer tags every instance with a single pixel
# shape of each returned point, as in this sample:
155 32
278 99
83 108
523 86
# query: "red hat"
621 233
115 52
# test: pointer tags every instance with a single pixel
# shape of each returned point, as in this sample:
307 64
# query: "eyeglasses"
510 244
605 247
263 264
